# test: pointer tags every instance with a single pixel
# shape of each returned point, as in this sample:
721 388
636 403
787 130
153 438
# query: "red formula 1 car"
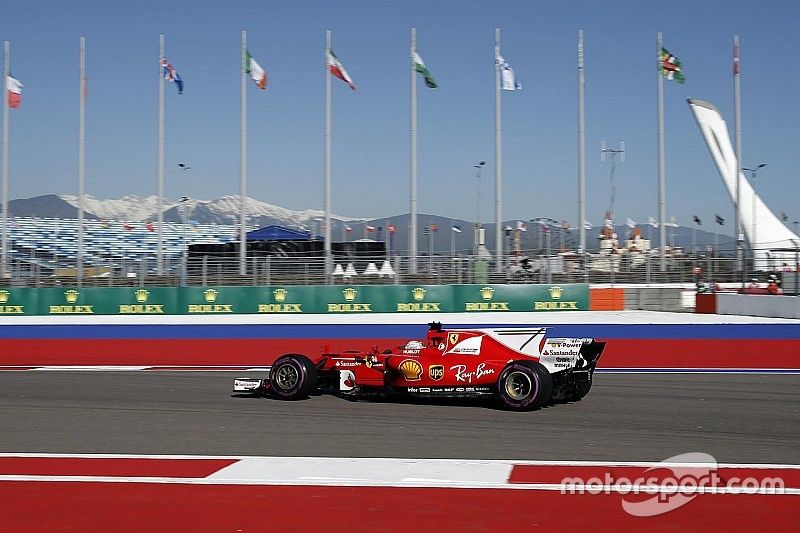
521 367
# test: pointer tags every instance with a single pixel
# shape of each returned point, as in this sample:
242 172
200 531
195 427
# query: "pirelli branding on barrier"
292 299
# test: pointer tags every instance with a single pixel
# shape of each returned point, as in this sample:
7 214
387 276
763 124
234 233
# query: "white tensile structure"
770 233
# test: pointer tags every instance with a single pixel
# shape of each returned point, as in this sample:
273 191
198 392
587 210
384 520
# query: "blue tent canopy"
278 233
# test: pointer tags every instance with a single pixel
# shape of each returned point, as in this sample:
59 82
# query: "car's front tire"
292 377
524 386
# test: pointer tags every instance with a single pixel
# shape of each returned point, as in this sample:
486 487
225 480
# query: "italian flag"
258 74
420 67
14 90
336 68
671 67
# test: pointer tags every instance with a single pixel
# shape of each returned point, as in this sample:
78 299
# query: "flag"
508 79
671 67
170 74
457 229
736 58
252 67
544 227
347 228
630 223
336 68
652 222
14 89
587 225
392 228
696 220
521 226
673 222
719 219
420 67
370 229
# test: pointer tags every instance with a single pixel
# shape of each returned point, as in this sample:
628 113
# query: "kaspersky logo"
487 294
350 294
210 296
418 294
556 291
71 297
141 307
5 296
280 305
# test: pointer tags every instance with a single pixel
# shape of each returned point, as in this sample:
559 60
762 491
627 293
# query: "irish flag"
14 89
420 67
336 68
258 74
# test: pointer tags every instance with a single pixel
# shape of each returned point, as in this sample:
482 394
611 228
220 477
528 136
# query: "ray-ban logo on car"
436 372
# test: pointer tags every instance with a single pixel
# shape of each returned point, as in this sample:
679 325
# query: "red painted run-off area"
619 353
36 506
111 467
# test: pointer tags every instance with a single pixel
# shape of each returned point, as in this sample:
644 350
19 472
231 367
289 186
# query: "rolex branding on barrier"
280 304
293 299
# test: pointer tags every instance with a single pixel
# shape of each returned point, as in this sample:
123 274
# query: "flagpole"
661 163
160 199
498 158
413 232
327 187
452 238
243 165
81 155
4 251
738 126
581 150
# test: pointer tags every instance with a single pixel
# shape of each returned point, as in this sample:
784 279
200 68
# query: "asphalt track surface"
735 418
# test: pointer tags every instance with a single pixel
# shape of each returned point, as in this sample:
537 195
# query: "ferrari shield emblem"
453 338
436 372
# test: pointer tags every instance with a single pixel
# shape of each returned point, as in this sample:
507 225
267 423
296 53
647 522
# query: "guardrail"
264 269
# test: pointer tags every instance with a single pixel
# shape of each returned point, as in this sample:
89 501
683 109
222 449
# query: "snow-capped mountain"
224 210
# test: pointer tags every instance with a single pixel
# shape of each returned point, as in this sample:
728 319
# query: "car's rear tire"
524 386
292 377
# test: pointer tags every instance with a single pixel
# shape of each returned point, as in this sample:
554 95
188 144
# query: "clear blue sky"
371 125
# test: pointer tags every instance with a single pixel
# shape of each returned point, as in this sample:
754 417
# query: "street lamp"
478 221
753 173
185 215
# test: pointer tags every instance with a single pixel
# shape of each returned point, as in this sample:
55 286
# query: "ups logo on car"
436 372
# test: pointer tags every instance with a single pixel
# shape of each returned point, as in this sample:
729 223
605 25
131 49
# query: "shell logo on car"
410 369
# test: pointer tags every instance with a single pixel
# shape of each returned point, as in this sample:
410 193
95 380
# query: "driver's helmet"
414 345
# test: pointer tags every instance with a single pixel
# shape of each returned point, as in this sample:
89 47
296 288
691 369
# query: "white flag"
630 223
652 222
508 79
